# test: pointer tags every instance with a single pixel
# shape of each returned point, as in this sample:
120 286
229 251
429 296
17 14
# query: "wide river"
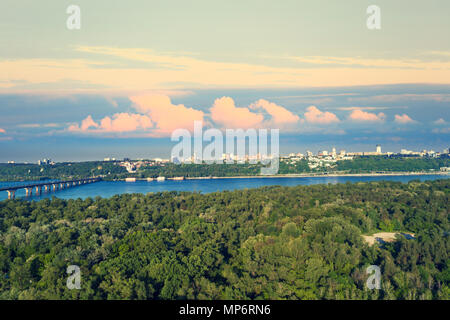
107 189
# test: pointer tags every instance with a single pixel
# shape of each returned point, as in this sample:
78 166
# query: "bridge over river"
46 186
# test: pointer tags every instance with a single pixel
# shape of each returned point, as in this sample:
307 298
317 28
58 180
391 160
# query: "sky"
136 71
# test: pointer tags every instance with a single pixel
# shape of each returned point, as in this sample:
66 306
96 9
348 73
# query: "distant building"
378 149
175 160
44 162
370 153
333 152
131 168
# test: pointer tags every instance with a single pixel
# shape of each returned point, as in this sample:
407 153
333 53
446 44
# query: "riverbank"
310 175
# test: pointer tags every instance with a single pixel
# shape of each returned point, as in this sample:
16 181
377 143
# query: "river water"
107 189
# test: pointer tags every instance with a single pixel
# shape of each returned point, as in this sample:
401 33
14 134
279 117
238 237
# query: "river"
107 189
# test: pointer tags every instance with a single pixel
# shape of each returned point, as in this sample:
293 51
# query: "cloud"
314 115
2 130
440 121
87 123
441 130
119 122
444 97
157 117
440 53
403 119
112 101
359 115
379 63
280 116
365 108
225 113
126 122
143 69
167 116
38 125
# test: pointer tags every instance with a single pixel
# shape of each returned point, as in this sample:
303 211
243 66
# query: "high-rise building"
333 152
378 148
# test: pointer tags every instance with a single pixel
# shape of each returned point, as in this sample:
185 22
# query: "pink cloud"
119 122
279 114
88 123
2 130
126 122
359 115
403 119
314 115
167 116
225 113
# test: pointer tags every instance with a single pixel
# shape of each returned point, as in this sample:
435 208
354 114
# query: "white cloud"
440 121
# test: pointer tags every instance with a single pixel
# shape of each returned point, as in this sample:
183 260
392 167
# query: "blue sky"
310 68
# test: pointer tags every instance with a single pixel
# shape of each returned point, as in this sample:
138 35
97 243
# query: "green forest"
377 163
302 242
111 170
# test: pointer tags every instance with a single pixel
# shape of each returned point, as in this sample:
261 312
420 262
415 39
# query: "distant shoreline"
293 175
300 175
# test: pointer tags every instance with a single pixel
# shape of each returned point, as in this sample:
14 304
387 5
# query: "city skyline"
333 152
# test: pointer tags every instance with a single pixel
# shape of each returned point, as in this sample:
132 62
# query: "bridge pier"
11 194
29 191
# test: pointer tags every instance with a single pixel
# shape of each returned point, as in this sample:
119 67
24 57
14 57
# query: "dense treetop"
274 242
